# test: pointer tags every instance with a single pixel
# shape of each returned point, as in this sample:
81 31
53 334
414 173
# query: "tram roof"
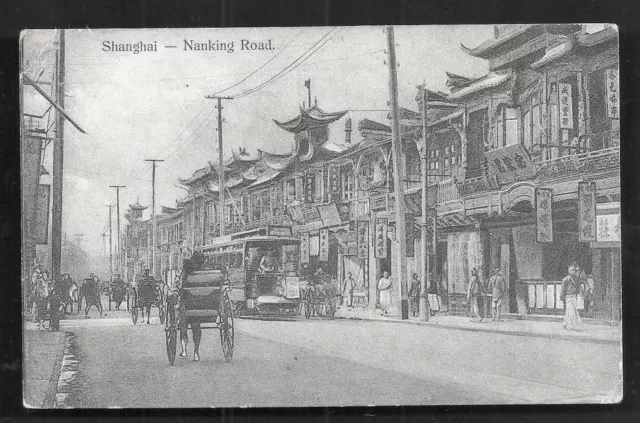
260 238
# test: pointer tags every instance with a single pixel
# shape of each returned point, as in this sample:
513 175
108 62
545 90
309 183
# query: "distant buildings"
523 174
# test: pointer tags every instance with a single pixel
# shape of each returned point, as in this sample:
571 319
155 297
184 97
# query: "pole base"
405 309
424 309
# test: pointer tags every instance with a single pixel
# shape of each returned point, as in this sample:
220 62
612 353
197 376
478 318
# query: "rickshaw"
202 298
149 292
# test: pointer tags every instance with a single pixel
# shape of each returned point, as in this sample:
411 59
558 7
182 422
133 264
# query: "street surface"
320 362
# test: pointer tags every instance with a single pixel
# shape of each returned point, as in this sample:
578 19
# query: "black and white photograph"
321 216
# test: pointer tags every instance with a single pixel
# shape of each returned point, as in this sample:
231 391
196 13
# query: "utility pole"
424 283
57 182
117 187
153 212
58 161
398 175
220 162
110 243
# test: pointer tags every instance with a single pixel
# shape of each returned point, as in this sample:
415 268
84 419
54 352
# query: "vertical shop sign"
431 231
363 239
544 222
381 238
587 211
42 215
566 106
410 234
334 182
310 187
324 245
613 97
304 247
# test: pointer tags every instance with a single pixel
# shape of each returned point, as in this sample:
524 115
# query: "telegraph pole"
58 160
153 212
424 294
398 175
110 243
220 162
117 187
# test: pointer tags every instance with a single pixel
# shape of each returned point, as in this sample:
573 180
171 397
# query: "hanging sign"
613 96
314 245
410 234
381 238
431 231
587 211
304 247
329 214
609 228
566 106
324 245
510 164
363 239
42 215
544 221
310 187
334 182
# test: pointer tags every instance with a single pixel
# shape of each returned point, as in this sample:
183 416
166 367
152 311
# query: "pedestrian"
497 287
473 294
569 296
42 298
55 299
33 305
414 294
384 285
347 290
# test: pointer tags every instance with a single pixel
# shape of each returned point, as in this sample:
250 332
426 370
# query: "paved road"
333 363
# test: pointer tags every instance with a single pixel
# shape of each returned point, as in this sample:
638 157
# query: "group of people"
43 292
576 283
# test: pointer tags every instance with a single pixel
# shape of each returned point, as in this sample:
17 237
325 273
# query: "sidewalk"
42 358
553 329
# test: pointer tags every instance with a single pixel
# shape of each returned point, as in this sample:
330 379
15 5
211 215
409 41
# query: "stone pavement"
42 358
546 329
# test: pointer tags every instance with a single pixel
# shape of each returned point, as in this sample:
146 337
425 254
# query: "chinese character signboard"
42 215
566 106
613 97
304 247
381 238
363 239
324 245
334 182
609 227
510 164
329 214
310 187
431 231
410 234
544 222
586 211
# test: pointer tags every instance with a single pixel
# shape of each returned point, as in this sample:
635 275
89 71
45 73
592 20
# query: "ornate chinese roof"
456 82
554 53
309 119
137 206
490 80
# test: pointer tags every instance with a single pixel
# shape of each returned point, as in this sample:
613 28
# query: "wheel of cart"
171 327
227 333
133 305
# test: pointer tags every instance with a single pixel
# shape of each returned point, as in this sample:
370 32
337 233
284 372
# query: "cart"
203 298
148 293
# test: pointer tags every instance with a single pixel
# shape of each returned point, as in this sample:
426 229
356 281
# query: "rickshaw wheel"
134 308
226 327
171 335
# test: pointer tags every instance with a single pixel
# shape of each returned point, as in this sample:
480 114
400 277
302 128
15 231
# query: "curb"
582 339
50 395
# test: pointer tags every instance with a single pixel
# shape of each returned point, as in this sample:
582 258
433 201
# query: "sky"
152 105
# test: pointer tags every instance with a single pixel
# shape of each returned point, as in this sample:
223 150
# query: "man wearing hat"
117 287
498 287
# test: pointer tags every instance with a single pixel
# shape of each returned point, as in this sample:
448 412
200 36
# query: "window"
211 216
446 162
348 182
507 127
261 205
446 150
453 148
289 190
438 153
437 164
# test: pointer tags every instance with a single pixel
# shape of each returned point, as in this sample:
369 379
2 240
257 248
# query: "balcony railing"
447 191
